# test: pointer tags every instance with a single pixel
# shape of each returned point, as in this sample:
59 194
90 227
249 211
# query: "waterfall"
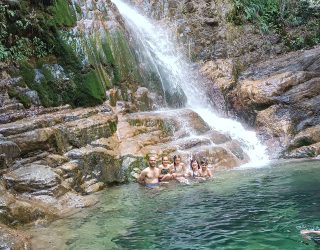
158 51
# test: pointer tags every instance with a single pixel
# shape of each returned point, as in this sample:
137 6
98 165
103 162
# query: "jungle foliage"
296 21
29 38
25 27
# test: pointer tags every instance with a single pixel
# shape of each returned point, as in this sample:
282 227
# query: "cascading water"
157 49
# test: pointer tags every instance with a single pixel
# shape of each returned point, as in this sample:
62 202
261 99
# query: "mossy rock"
24 99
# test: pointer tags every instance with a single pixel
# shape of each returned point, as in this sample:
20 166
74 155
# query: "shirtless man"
150 176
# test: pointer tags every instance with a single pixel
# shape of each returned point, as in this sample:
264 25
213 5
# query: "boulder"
96 162
12 239
81 132
39 139
34 179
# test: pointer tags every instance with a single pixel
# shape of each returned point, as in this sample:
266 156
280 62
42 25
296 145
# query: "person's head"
165 160
194 165
152 161
204 164
176 160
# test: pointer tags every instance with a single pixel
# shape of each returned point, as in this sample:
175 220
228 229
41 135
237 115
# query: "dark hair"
192 161
204 162
174 159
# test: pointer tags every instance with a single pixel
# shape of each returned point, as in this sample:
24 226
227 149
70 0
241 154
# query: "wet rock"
11 239
282 99
131 164
237 149
94 188
219 158
304 151
84 131
8 152
35 179
306 137
27 211
221 72
54 160
96 162
39 139
9 148
217 137
146 100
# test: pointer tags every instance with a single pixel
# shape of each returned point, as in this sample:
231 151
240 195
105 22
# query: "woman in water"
195 169
179 169
166 169
205 172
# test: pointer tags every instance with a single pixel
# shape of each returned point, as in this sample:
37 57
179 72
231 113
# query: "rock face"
202 27
273 92
281 98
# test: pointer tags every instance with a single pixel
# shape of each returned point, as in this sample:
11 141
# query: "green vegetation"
63 15
24 99
91 90
35 36
296 21
20 34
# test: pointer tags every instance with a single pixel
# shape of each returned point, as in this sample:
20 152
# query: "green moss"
24 99
112 68
27 73
113 127
125 61
91 90
66 55
63 15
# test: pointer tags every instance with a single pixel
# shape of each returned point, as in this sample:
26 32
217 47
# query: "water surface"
261 208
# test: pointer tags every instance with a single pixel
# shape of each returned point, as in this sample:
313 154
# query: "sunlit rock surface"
69 152
281 98
13 239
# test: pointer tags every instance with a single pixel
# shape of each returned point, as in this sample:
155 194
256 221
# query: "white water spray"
176 73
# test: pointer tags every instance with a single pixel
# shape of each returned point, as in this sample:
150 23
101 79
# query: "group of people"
153 175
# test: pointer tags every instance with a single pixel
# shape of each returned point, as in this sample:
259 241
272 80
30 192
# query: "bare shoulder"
144 171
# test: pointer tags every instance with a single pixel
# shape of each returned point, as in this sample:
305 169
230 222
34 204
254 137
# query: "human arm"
141 178
304 232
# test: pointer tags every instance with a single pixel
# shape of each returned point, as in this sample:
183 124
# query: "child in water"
205 171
